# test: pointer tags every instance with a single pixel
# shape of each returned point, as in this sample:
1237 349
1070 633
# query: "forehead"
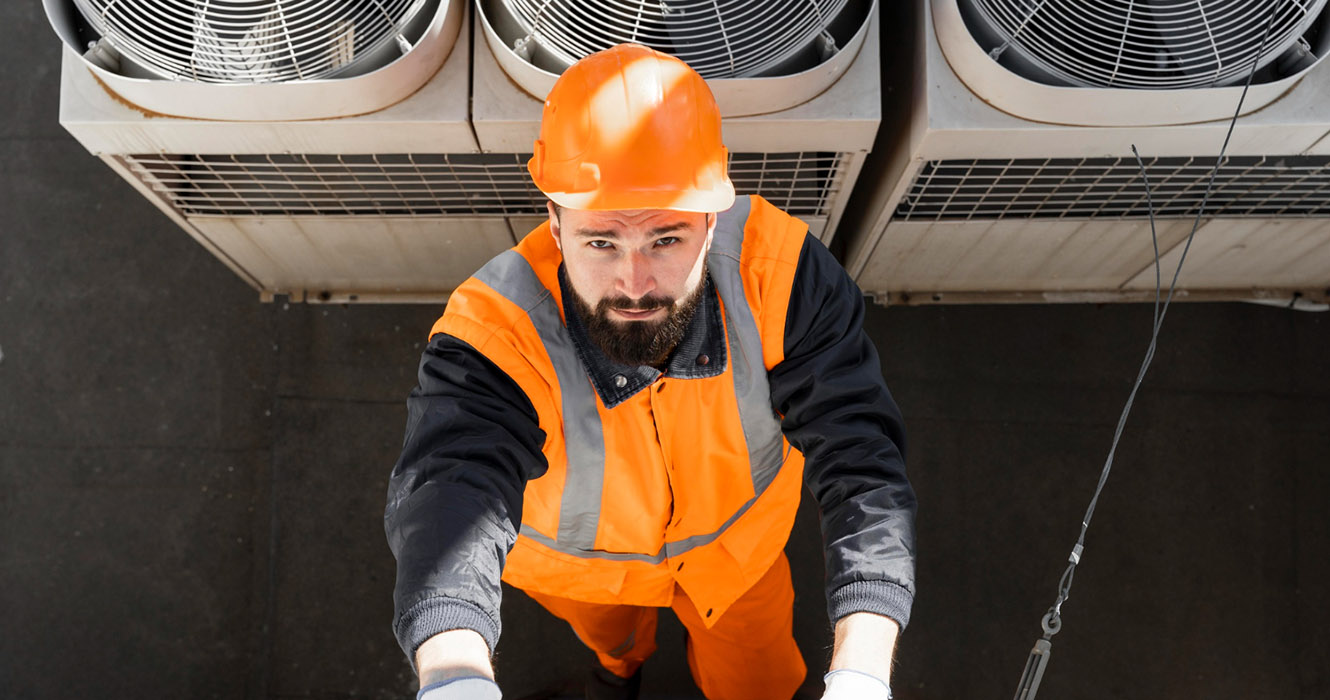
579 221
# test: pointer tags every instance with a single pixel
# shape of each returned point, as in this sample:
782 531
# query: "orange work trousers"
749 654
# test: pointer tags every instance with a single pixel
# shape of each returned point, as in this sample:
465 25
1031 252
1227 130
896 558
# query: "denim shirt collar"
701 353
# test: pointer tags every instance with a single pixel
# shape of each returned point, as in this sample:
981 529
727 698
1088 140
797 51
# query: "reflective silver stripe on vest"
511 276
761 426
674 549
589 553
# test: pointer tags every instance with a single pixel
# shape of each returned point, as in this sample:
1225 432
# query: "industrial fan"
718 39
1145 44
758 57
259 60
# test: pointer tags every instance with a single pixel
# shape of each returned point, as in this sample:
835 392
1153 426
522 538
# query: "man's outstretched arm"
837 410
455 504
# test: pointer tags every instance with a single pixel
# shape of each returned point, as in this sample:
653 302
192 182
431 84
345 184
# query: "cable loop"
1052 623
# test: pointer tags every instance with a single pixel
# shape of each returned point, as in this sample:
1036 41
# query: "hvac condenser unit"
797 82
313 147
320 149
1013 179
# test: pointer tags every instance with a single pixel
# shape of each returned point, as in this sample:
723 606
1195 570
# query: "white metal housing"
971 203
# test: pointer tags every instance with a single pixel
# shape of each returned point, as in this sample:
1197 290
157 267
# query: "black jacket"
472 442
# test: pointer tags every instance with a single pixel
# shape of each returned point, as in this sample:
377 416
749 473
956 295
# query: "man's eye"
600 245
668 240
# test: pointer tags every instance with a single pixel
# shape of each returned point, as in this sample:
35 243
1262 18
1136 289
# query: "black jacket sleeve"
836 409
455 496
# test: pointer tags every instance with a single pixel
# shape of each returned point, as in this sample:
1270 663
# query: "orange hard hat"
632 128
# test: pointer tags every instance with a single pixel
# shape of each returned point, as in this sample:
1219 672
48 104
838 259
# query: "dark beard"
638 343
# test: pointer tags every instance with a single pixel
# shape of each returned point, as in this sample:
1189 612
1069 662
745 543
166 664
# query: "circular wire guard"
1154 44
248 41
718 38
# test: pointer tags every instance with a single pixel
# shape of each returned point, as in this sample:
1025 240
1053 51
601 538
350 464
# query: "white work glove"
468 688
845 684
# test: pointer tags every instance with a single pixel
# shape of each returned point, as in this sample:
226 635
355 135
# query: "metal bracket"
103 54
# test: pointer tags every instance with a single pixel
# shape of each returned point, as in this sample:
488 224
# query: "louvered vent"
1146 44
254 41
1099 188
431 184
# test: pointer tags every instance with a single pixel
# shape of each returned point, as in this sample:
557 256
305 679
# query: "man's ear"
554 223
711 229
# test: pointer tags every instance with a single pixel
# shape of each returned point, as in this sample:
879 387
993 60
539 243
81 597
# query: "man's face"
636 275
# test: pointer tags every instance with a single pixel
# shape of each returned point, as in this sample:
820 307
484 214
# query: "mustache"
649 302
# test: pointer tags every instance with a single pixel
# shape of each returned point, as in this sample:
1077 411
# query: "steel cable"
1051 623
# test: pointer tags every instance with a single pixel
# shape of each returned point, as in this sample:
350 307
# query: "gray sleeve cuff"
437 615
461 689
879 597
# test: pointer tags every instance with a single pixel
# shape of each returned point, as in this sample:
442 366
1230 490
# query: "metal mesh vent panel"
490 184
1080 188
1154 44
247 41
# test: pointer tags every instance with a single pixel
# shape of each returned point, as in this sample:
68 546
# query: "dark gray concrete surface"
191 482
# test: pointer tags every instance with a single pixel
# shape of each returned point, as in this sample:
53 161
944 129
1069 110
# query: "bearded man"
618 415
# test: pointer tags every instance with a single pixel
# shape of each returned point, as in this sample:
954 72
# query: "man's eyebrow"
614 235
669 228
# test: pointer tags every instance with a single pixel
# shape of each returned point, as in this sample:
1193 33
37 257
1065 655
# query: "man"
616 416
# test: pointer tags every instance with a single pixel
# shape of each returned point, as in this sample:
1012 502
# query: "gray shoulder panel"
761 426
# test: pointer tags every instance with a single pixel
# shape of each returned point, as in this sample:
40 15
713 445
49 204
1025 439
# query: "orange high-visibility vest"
689 481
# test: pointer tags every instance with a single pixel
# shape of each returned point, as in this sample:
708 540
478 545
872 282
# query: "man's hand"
451 655
861 663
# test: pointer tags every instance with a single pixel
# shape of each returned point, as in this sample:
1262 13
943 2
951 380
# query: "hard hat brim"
709 201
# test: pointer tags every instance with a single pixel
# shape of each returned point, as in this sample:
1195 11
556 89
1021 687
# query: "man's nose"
635 275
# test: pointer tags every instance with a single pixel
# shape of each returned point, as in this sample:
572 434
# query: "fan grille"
1159 44
718 38
247 41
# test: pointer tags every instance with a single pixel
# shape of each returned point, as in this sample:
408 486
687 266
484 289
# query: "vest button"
709 612
620 381
703 359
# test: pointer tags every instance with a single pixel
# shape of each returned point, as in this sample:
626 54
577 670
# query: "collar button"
703 359
620 381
